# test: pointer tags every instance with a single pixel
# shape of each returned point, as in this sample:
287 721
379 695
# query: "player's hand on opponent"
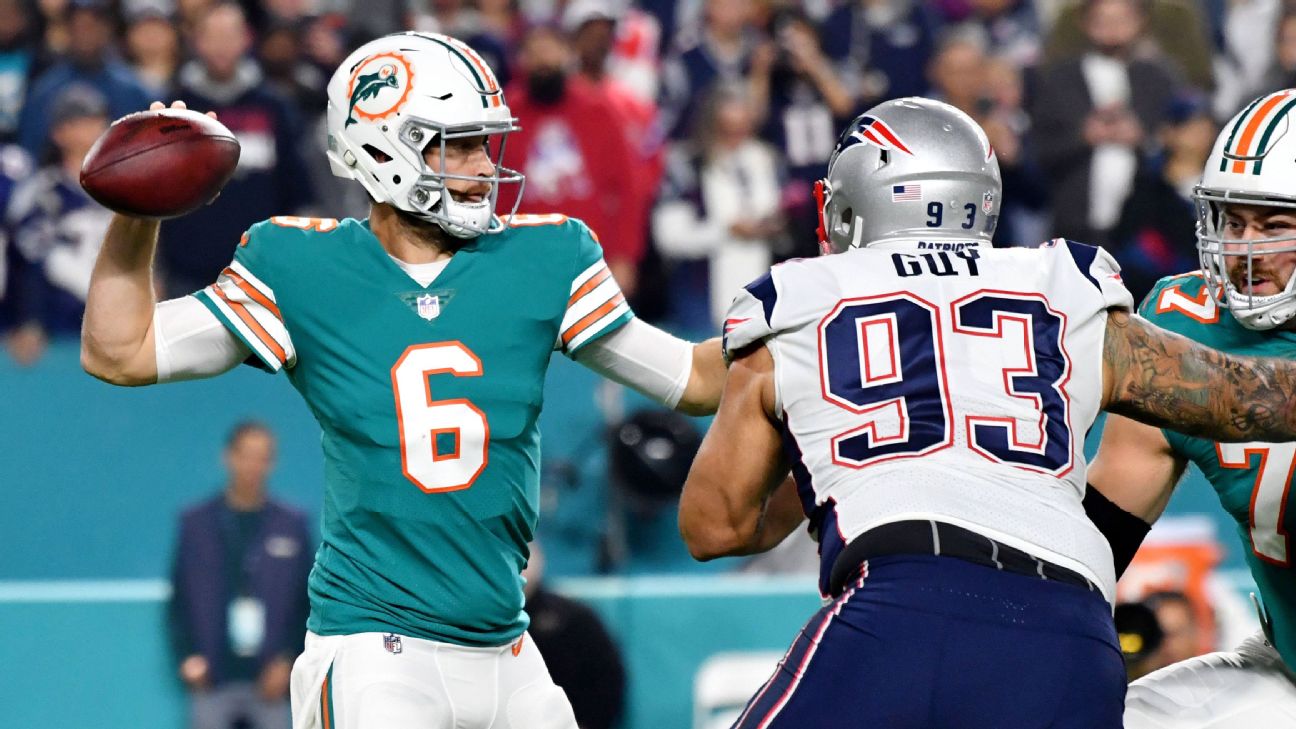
177 104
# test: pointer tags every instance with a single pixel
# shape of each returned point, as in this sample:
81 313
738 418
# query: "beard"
547 87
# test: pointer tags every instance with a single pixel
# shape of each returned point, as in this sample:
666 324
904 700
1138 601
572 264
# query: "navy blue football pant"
920 641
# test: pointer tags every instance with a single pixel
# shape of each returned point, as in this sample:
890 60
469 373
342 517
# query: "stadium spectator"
721 51
1088 142
1251 37
803 104
582 657
15 167
271 178
881 47
18 62
288 73
1183 632
629 50
1157 234
592 27
239 602
1282 73
57 227
502 19
90 61
719 206
1011 28
572 148
53 26
153 47
1176 29
1000 112
1140 636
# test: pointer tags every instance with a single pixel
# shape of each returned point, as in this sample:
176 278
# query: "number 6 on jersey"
422 419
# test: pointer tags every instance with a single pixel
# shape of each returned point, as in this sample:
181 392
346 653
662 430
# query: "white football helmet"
1253 163
392 98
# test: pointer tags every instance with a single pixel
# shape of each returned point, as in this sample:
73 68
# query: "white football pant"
1248 688
377 681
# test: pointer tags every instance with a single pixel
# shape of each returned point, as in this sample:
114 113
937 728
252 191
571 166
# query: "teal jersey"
428 398
1253 480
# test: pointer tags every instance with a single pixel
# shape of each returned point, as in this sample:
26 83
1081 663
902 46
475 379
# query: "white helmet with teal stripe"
391 99
1253 163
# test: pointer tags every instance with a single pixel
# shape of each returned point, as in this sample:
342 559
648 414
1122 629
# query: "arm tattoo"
1164 379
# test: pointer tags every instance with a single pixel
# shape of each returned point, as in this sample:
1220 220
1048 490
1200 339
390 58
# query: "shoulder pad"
747 321
1184 296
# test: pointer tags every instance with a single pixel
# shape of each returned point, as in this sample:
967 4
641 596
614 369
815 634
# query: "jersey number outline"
868 367
420 419
1268 504
1201 307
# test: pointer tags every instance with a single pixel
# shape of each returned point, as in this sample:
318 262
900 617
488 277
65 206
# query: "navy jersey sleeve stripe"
763 289
1084 255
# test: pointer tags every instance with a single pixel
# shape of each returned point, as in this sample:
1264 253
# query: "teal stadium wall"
92 479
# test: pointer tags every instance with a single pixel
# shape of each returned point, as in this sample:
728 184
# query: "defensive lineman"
931 395
419 339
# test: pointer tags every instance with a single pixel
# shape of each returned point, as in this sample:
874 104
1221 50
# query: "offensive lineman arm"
737 499
1135 468
1166 380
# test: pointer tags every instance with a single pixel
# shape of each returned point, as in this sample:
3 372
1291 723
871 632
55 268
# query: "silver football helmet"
395 98
909 169
1253 163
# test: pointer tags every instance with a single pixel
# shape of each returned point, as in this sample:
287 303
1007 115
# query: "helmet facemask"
1214 251
431 199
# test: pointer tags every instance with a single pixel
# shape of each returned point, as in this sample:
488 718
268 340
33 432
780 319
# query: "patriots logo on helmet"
873 131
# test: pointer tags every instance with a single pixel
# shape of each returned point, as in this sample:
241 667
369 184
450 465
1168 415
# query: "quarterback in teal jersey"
1243 301
419 339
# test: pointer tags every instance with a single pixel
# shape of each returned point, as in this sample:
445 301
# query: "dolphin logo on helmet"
368 85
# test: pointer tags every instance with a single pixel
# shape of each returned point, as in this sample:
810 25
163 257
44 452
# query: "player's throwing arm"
148 166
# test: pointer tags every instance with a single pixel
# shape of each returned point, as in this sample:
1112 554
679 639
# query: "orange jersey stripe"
575 329
324 704
254 325
588 286
253 292
1244 144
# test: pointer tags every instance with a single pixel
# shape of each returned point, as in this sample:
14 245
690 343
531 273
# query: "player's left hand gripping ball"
160 163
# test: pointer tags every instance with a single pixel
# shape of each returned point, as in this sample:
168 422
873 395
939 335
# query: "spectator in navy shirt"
721 52
271 178
91 61
239 603
881 47
58 229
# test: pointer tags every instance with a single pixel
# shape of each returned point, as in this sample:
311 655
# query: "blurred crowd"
687 133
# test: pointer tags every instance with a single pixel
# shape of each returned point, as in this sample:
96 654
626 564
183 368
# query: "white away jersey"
941 381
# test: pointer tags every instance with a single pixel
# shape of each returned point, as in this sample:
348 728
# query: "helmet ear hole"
846 215
884 158
379 156
396 179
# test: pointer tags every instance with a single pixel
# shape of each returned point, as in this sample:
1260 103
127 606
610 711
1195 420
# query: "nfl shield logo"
429 306
987 202
392 643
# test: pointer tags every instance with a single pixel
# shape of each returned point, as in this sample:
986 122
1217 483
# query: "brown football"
160 164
